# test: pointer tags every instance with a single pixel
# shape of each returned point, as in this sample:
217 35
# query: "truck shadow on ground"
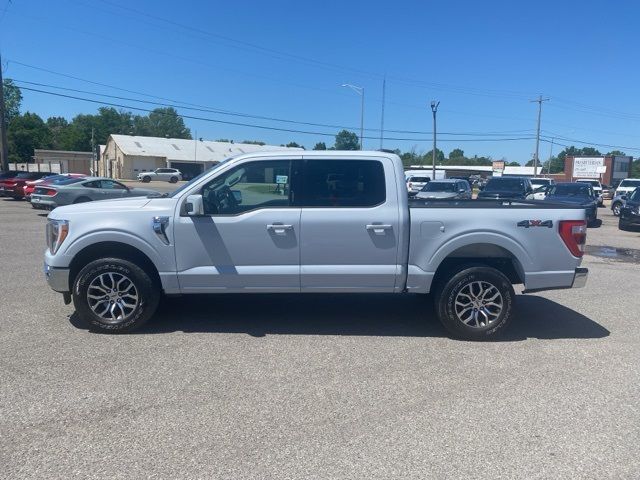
367 314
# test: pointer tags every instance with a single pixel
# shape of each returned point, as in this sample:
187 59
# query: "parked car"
14 186
30 186
627 186
617 203
576 193
630 211
506 187
232 229
415 183
8 174
170 175
607 192
448 188
597 188
80 190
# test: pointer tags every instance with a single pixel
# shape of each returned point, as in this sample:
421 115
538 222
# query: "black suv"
507 187
630 211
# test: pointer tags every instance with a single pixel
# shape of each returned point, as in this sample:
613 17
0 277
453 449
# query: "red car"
31 185
14 186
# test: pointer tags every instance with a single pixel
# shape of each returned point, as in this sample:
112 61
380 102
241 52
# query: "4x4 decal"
535 223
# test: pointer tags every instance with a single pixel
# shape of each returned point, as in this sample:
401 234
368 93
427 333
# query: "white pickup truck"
324 222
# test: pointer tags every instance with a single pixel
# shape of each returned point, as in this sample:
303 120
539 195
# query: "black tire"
457 287
173 180
146 179
615 208
622 225
108 269
82 200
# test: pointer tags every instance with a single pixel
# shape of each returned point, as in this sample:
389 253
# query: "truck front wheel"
476 303
114 295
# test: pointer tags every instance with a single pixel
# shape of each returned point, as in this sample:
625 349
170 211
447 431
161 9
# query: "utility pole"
93 153
4 149
536 159
384 85
550 156
359 91
434 110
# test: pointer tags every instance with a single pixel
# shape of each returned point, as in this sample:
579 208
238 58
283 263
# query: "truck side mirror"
194 206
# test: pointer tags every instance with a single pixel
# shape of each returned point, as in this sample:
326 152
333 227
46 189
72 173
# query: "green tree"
513 164
59 132
12 100
253 142
428 157
456 153
161 122
25 133
295 145
635 169
320 146
346 140
590 152
616 153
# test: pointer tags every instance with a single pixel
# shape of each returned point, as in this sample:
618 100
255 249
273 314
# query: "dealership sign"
588 167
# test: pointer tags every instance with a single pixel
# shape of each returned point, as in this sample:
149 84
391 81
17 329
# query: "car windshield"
635 196
439 187
505 185
419 179
571 190
594 183
195 179
540 182
24 175
629 183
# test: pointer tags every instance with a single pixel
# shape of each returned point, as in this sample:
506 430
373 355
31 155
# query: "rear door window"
341 183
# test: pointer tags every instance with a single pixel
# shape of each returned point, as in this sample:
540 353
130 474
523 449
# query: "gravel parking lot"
364 386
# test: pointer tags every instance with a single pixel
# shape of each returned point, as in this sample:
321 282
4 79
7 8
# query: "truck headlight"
57 231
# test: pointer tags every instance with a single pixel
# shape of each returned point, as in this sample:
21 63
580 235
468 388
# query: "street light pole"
536 158
359 91
434 110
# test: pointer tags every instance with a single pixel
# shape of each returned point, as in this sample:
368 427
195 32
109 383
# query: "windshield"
24 175
195 179
594 183
439 187
505 185
571 189
539 182
635 196
419 179
629 183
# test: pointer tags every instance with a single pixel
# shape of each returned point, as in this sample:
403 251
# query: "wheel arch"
480 254
114 249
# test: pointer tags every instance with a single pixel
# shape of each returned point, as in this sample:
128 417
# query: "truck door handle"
278 228
379 229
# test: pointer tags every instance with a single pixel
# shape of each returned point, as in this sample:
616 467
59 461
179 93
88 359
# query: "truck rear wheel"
476 303
114 295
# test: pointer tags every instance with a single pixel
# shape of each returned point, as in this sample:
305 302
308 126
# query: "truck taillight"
574 235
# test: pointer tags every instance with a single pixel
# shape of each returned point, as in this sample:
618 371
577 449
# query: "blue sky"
483 61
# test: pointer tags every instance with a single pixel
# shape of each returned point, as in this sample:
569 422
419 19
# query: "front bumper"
57 278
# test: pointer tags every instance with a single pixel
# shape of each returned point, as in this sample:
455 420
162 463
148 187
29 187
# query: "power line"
265 127
179 104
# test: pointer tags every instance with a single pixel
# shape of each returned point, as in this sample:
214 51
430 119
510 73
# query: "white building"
124 156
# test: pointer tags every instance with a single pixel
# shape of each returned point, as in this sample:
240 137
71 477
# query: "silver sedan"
79 190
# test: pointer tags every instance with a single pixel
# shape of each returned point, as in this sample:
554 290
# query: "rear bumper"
57 278
580 276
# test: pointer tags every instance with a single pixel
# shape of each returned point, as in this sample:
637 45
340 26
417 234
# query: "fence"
53 167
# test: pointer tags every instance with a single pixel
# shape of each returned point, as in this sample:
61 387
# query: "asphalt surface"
364 386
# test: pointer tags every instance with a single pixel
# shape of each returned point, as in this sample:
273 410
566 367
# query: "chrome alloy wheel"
478 304
112 296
